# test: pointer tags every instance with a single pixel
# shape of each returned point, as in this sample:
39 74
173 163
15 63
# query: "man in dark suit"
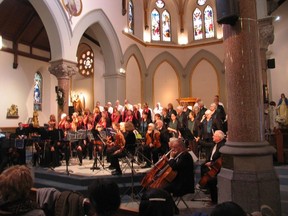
214 160
181 162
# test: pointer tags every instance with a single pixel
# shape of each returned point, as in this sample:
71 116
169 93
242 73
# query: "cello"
213 171
149 177
163 175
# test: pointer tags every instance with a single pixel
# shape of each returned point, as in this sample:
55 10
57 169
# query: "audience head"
228 209
104 197
156 202
16 183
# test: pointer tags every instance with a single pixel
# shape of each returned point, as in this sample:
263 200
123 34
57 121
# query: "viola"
213 171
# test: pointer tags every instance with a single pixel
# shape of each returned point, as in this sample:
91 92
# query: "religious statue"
12 112
35 119
77 103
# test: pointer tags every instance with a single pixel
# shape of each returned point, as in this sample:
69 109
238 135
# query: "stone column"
247 177
63 70
115 87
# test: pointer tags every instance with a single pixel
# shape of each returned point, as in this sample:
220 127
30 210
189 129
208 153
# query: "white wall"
165 85
16 87
279 51
133 82
204 83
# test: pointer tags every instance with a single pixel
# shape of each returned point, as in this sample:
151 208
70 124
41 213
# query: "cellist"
181 162
151 146
213 165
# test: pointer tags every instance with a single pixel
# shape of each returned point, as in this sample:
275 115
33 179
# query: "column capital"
266 32
63 69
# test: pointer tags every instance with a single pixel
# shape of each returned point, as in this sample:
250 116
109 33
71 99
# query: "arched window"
131 17
166 36
203 21
160 23
37 96
209 22
197 21
155 25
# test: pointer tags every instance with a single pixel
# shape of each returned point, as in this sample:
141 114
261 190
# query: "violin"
213 171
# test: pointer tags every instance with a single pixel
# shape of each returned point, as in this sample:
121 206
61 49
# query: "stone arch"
106 35
58 29
216 64
175 64
134 50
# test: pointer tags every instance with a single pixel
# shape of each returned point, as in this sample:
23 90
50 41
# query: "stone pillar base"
250 186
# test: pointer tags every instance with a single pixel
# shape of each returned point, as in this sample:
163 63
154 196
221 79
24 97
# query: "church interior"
62 56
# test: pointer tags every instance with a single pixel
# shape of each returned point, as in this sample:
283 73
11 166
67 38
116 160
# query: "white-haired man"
214 162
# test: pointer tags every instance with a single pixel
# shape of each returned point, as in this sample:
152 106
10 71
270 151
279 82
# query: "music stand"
67 152
131 159
96 157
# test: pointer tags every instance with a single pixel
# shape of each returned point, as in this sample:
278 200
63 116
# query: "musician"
86 115
181 162
136 116
164 136
165 117
182 118
206 128
52 122
148 111
219 141
151 145
144 124
21 133
193 126
170 109
97 115
129 148
74 123
115 142
173 126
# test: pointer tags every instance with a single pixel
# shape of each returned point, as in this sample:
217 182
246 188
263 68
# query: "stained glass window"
131 17
166 31
86 63
201 2
209 24
155 25
37 96
197 24
160 4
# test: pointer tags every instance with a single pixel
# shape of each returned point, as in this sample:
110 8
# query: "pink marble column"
63 70
247 176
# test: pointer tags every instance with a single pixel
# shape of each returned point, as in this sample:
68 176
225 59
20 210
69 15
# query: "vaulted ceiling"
20 23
